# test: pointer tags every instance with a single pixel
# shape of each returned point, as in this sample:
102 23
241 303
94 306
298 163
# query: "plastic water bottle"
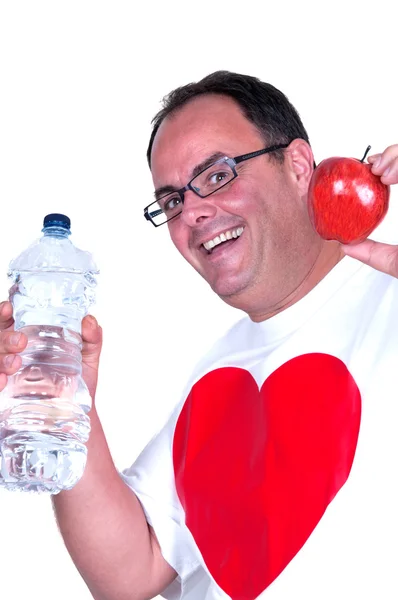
44 423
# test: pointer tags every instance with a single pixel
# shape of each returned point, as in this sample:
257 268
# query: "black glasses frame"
232 162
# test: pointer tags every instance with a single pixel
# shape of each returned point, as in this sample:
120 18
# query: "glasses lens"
165 209
156 214
213 178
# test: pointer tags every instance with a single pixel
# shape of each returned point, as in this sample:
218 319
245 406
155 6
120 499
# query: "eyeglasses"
207 182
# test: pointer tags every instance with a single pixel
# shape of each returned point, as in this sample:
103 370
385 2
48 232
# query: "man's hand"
11 343
10 361
383 257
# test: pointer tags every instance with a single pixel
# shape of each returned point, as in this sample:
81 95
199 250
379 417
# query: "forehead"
205 125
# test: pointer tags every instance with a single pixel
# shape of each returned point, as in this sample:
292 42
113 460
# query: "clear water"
38 462
43 420
43 409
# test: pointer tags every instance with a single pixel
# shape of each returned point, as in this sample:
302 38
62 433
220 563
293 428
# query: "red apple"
346 201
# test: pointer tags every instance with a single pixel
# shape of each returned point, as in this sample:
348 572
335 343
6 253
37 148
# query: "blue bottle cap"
56 220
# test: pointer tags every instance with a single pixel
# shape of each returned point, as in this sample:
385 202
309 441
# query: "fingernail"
92 321
14 339
9 360
2 305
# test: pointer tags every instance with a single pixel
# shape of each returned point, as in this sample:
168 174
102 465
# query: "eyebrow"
168 189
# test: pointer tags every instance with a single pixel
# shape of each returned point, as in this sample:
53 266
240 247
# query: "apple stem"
366 153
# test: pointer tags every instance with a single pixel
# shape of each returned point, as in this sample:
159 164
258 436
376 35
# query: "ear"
300 162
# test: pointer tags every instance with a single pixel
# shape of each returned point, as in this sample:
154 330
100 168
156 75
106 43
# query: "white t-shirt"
276 475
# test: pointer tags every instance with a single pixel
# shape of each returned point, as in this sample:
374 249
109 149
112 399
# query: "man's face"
270 258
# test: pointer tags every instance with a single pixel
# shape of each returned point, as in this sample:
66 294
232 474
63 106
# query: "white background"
79 85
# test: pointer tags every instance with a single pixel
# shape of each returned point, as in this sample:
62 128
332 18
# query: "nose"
196 209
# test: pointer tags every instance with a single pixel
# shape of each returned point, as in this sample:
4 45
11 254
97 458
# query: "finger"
381 162
10 363
390 174
382 257
373 158
6 318
13 341
92 340
91 331
10 344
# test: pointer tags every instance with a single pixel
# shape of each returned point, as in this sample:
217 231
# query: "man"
274 477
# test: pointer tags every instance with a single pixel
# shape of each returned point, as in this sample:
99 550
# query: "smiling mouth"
227 237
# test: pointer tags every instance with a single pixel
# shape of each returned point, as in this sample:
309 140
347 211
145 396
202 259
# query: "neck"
328 257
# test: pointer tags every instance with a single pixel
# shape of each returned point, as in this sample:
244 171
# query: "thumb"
383 257
92 341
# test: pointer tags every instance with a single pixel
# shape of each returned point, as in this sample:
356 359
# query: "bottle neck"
57 232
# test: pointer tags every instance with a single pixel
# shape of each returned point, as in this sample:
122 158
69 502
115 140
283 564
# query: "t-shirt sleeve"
151 477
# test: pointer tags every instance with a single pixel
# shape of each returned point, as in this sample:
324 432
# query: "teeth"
223 237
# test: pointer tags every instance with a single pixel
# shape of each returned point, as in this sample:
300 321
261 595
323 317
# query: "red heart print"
256 470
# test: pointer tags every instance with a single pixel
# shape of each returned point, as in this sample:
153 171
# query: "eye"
218 177
171 204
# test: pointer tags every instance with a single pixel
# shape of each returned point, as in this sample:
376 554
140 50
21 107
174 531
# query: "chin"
229 289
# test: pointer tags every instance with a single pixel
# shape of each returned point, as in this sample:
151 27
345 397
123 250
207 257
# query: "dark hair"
261 103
